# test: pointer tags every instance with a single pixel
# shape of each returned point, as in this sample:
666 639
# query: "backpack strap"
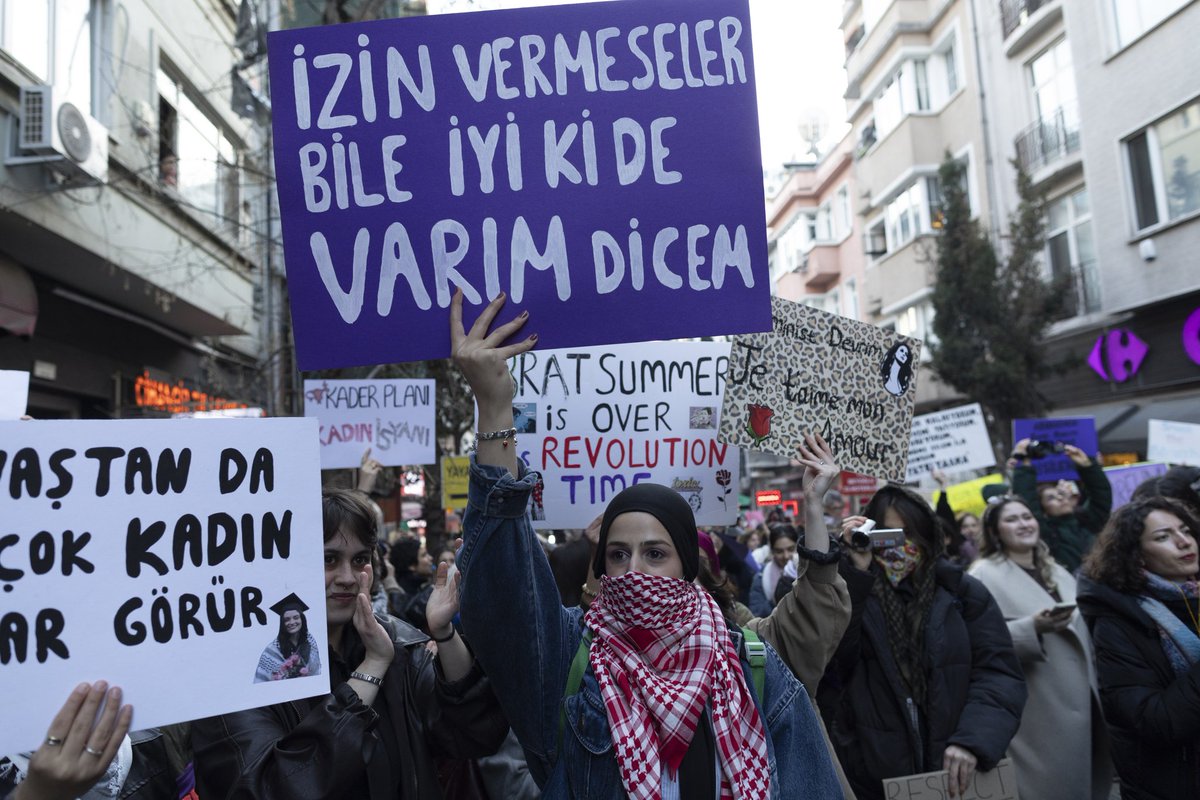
756 654
579 666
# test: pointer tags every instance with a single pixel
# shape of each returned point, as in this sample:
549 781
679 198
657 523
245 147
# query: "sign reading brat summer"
595 420
851 382
393 418
165 556
597 162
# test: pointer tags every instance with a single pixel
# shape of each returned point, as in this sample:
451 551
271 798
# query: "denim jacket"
525 641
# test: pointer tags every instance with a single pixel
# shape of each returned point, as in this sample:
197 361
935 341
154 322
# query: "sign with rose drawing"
594 420
853 383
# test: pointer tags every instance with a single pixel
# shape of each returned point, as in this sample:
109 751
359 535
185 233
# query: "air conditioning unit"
74 143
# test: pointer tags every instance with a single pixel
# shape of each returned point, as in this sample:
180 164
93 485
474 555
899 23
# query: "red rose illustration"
759 424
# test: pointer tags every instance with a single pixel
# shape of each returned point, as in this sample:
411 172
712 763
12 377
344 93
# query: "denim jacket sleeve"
511 612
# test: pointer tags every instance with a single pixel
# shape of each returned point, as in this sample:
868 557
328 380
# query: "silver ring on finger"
54 741
91 751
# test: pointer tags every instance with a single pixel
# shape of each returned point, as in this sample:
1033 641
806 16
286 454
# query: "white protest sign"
996 784
148 553
594 420
954 440
1173 442
14 393
394 418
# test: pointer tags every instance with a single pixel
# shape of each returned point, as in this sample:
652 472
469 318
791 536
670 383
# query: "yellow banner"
968 495
455 473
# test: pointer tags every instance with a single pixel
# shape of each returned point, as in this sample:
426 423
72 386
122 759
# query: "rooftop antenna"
813 126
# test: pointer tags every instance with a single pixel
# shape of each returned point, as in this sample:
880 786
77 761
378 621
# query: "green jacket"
1069 537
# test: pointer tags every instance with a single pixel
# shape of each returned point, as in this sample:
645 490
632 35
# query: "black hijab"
668 507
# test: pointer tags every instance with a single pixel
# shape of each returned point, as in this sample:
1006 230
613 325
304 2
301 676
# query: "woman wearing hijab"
1037 597
1139 595
665 705
925 677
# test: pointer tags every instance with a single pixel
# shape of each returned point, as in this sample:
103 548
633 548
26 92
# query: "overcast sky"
798 56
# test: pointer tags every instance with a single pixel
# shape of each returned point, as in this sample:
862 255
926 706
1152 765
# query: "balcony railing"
1048 140
1013 13
855 38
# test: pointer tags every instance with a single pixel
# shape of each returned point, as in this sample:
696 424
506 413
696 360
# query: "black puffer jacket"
976 689
1153 715
333 746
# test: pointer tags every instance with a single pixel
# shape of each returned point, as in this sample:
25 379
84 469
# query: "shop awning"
18 299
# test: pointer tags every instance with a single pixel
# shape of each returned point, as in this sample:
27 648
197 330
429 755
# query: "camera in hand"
868 537
1036 449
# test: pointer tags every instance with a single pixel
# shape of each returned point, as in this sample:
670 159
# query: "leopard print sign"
851 382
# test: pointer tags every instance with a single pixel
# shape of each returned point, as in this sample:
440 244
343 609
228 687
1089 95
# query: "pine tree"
990 318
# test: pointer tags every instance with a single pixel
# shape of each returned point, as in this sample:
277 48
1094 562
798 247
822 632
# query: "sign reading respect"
598 162
851 382
150 553
593 421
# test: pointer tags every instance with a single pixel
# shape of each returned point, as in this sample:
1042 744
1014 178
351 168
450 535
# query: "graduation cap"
290 603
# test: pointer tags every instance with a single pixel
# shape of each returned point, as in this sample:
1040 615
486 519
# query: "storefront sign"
769 497
1117 355
154 394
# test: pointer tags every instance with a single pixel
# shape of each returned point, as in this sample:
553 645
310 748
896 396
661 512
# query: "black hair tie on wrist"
447 638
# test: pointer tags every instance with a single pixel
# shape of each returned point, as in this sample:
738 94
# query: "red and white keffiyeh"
660 650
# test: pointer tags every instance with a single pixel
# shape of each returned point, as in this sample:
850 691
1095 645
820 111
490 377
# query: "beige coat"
1061 749
805 628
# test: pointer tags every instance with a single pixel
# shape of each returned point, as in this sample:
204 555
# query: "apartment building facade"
814 235
134 207
911 98
1083 97
1079 93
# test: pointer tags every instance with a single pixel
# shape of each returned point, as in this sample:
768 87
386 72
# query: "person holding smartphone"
1062 747
925 677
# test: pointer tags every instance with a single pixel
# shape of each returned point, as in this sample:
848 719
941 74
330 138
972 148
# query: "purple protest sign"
1079 431
597 162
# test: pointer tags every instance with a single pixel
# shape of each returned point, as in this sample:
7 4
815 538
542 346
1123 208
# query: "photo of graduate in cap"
294 652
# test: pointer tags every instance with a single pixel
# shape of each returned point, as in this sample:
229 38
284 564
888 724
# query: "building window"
950 65
875 239
842 219
1132 18
917 85
916 321
921 83
824 227
196 158
52 39
1164 167
1071 250
908 215
852 299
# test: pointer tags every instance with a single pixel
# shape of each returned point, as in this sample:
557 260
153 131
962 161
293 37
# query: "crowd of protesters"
645 658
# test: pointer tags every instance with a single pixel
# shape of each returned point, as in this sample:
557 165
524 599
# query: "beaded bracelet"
490 436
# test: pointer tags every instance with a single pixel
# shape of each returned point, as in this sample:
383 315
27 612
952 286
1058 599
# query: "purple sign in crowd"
597 162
